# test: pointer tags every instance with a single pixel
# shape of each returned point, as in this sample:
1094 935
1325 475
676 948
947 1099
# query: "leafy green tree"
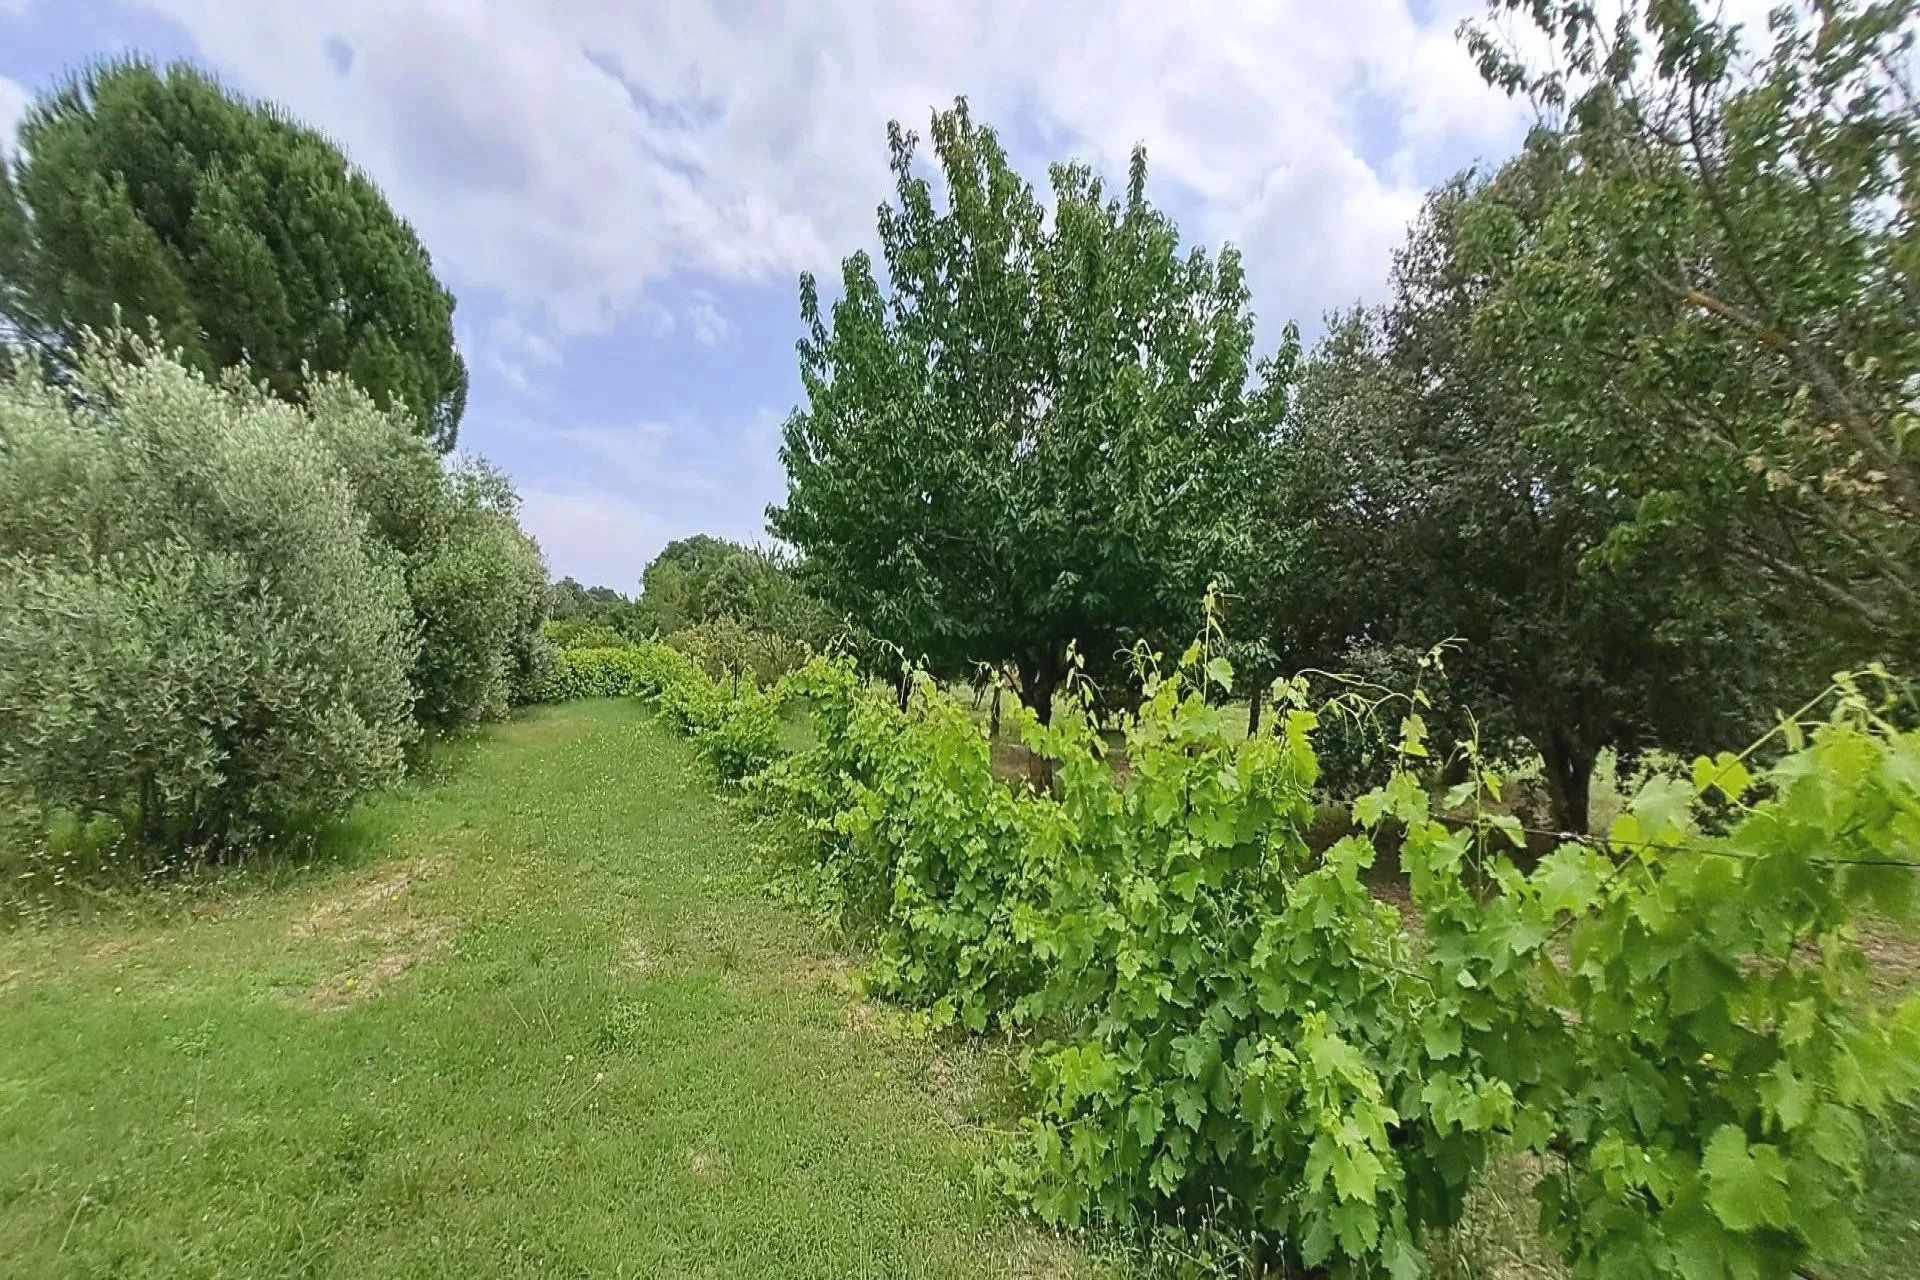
703 579
475 580
1724 304
569 601
1037 433
243 237
1443 500
200 639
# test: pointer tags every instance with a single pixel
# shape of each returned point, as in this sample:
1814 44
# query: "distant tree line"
693 582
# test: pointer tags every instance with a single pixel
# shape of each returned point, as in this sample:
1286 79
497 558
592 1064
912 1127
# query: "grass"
535 1019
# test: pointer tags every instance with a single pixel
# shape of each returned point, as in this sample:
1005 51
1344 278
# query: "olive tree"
198 636
475 582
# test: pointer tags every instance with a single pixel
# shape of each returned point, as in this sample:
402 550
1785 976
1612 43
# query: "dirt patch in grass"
413 941
706 1165
374 912
637 959
1499 1238
343 914
1893 952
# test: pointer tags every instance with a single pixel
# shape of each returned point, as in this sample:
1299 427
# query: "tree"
703 579
201 639
476 582
1724 305
1444 500
569 601
1036 434
240 235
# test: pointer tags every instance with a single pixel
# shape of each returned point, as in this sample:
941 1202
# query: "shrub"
735 725
601 673
917 839
475 581
1676 1018
479 588
582 633
728 649
197 636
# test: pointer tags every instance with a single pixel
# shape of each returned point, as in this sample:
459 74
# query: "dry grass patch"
342 914
375 912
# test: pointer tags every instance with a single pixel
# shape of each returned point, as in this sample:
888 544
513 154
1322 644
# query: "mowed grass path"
535 1019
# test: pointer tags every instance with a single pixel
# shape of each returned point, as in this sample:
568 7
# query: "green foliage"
1037 433
569 601
734 723
601 673
199 638
703 580
476 582
248 239
1433 495
1675 1018
1683 1016
580 633
728 649
1721 311
914 837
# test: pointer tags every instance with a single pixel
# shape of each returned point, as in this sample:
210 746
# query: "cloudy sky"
622 195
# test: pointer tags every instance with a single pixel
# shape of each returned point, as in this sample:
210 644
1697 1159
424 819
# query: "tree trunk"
1255 700
1569 771
1036 691
906 689
993 720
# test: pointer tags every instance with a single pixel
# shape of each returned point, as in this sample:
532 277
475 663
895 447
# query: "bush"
475 581
582 633
735 725
728 649
916 839
1676 1017
198 638
601 673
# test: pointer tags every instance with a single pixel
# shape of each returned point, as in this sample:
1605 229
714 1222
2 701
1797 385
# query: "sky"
622 195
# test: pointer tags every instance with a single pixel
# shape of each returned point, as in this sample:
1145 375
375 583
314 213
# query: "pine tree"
154 197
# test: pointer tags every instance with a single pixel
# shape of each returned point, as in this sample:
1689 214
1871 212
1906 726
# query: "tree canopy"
241 236
1723 307
702 579
1036 432
1442 499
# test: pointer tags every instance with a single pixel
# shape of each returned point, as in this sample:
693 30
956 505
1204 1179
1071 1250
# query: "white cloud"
596 537
710 328
608 498
575 156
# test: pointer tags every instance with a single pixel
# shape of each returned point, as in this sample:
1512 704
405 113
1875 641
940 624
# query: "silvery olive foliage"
222 615
476 582
198 638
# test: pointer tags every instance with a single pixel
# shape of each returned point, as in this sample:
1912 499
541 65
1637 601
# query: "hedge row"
734 724
1676 1021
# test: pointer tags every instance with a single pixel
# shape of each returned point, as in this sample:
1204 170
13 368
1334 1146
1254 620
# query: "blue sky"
623 195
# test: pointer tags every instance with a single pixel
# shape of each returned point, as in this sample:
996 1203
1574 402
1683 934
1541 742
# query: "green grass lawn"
533 1019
